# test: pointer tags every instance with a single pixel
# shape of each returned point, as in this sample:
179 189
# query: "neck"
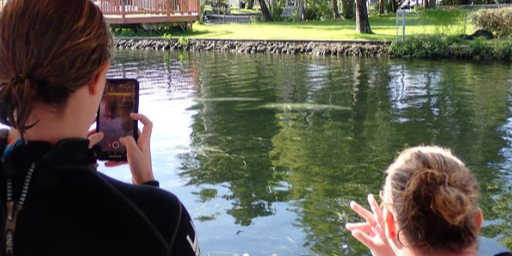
53 126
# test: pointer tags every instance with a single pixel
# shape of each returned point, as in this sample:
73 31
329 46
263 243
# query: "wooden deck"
118 12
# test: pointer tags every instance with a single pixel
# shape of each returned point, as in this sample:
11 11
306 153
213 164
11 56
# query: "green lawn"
384 28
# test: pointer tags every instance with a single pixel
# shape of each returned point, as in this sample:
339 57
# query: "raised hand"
372 232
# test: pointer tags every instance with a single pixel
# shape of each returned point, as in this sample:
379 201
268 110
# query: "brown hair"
435 198
48 50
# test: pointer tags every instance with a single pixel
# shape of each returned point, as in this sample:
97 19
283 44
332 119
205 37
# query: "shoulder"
159 205
504 254
165 211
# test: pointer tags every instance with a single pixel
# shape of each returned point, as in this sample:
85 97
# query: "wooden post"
123 10
168 7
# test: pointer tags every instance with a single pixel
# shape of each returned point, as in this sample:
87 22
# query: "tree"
426 4
382 6
362 21
264 9
250 4
335 10
433 4
300 5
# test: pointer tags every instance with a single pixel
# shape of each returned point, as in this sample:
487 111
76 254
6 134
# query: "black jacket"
71 209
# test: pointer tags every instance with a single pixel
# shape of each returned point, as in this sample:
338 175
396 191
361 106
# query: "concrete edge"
264 40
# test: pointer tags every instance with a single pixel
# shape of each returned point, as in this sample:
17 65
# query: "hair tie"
20 78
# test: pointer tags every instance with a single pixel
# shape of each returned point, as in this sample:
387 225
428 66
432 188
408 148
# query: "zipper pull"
10 228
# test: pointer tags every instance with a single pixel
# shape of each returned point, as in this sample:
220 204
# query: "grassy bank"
384 28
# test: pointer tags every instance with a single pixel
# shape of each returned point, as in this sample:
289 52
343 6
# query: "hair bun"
435 191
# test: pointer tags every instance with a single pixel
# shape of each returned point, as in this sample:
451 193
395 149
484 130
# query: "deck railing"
155 7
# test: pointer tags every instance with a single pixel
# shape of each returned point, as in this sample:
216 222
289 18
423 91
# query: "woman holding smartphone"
429 208
54 56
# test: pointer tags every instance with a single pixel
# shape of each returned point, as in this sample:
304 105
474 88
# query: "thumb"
95 138
129 143
364 238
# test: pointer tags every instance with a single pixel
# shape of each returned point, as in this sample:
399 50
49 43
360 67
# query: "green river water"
267 151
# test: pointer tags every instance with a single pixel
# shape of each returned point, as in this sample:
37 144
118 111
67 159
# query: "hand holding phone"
122 141
138 153
120 99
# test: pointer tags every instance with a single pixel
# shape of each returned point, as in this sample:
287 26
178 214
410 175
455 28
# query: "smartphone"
120 98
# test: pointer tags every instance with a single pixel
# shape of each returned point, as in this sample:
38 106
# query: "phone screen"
120 98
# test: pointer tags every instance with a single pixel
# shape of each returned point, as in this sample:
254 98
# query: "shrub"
317 10
503 51
430 46
498 21
276 9
348 9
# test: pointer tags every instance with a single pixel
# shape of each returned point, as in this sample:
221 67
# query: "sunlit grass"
384 28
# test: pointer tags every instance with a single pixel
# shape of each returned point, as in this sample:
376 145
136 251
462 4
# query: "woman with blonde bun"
430 207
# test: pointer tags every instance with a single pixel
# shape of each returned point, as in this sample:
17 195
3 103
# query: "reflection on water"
266 152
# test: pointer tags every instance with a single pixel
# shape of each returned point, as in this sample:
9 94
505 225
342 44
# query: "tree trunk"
300 5
335 10
348 9
426 4
432 4
250 4
394 5
382 6
362 21
264 9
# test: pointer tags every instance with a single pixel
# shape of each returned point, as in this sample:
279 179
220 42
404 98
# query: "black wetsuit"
71 209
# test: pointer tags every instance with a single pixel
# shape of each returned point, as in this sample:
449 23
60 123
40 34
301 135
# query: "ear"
390 224
98 82
479 220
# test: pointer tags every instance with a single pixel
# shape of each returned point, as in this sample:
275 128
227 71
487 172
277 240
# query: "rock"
483 33
479 33
316 48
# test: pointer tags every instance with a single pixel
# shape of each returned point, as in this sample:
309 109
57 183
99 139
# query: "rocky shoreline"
319 48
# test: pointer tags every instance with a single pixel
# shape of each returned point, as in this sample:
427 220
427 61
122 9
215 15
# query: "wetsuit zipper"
13 208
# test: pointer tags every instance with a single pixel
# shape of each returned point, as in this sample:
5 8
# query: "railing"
155 7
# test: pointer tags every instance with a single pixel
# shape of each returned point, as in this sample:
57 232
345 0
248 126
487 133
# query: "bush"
498 21
503 51
276 9
348 9
430 46
317 10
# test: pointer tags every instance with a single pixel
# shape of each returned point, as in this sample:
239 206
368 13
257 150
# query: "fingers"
377 212
114 164
148 126
91 132
95 138
363 238
130 144
367 215
363 226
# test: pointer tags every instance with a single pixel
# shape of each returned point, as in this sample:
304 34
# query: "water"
267 151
